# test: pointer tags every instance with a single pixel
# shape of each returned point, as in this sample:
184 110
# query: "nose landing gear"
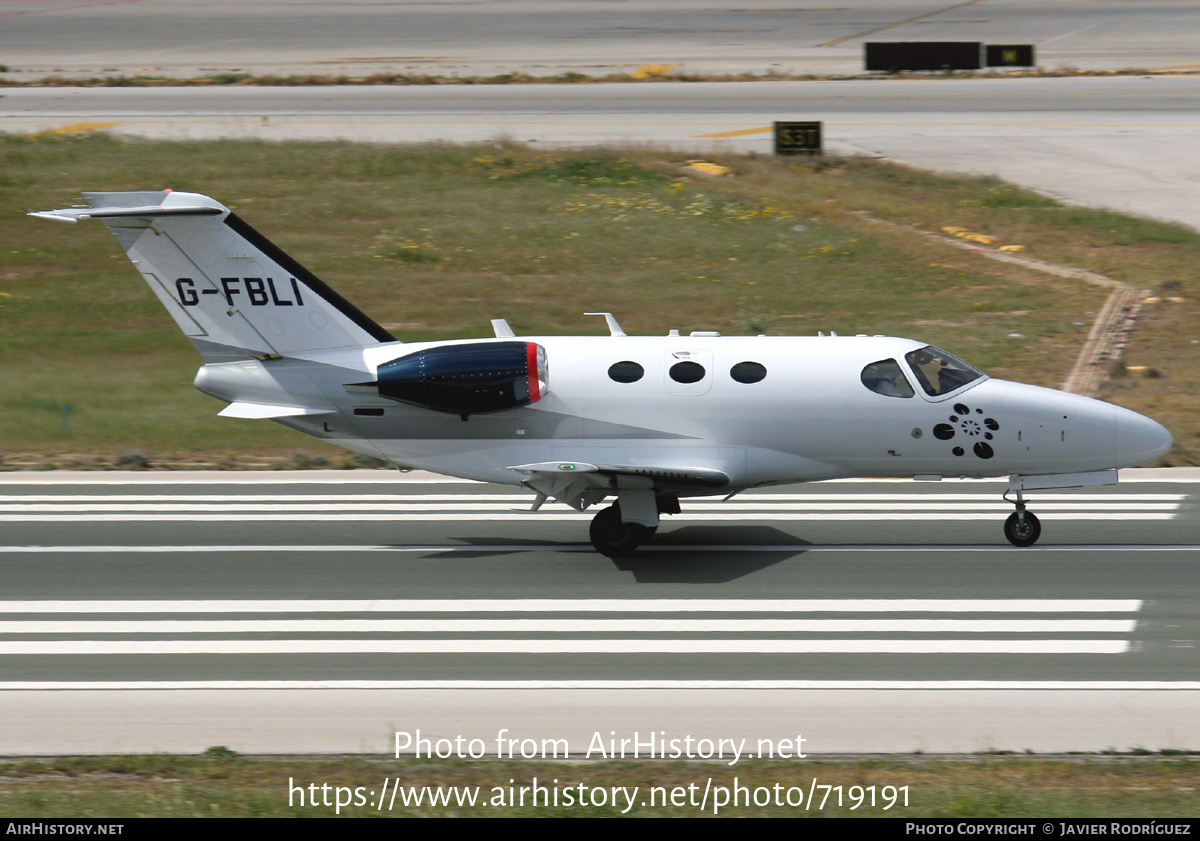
1021 528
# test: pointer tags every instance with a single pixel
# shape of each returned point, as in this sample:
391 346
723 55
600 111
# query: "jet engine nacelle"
467 379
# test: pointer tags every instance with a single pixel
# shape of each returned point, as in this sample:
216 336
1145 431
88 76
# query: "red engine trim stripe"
531 353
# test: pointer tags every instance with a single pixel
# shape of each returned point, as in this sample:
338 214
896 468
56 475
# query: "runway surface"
175 37
1125 143
296 612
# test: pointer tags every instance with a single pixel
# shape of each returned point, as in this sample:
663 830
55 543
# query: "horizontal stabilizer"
76 214
261 411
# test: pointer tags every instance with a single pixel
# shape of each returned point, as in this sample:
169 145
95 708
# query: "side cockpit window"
885 377
940 372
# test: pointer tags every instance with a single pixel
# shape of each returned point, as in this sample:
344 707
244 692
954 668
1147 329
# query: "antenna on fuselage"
614 329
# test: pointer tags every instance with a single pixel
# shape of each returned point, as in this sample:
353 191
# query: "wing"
580 484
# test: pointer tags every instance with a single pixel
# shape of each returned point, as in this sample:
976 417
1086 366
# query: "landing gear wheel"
615 539
1022 530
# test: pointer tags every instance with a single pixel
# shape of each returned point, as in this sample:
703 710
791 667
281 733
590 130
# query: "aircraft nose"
1139 439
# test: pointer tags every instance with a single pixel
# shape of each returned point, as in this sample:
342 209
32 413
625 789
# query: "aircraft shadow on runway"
678 557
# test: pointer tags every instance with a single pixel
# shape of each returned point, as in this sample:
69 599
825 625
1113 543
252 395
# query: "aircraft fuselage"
807 415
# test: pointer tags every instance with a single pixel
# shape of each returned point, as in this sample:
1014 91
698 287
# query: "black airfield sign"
798 138
1010 55
893 56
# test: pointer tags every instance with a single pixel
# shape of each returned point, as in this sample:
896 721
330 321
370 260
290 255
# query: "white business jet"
646 421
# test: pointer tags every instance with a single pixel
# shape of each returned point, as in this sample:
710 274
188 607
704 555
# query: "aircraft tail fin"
232 292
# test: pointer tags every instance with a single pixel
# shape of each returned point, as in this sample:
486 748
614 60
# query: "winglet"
59 216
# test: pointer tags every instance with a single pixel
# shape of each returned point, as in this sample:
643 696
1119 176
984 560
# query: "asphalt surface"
124 590
176 37
461 581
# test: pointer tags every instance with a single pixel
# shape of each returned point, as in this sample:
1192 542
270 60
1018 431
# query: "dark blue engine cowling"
467 379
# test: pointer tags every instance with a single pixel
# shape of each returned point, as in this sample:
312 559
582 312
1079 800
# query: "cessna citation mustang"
579 419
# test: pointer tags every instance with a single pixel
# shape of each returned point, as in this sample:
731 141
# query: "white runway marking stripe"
576 606
392 478
562 646
441 507
590 685
757 499
851 626
573 626
565 516
279 507
586 548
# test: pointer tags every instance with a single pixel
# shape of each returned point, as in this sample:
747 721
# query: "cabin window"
940 372
748 372
625 372
885 377
687 372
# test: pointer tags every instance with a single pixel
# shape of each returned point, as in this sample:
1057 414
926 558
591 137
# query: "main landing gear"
1021 528
614 538
617 538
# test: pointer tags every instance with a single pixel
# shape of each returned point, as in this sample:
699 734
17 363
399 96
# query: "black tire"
615 539
1022 532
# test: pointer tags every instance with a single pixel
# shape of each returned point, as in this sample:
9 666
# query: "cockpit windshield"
885 377
940 372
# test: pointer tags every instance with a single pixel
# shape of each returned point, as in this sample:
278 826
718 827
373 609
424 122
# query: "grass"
433 241
222 784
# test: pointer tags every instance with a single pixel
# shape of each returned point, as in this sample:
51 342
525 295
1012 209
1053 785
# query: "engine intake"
467 379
